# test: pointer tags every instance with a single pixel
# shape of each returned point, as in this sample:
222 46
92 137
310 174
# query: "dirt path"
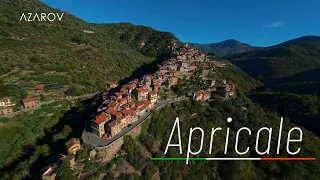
12 71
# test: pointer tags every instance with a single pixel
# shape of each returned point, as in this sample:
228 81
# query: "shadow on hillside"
310 122
76 118
307 82
147 68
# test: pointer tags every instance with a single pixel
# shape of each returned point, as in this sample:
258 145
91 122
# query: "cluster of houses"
125 104
124 107
130 101
6 106
226 90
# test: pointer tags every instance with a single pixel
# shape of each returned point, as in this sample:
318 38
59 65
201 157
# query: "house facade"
29 103
98 124
142 94
5 101
50 174
5 111
153 97
73 145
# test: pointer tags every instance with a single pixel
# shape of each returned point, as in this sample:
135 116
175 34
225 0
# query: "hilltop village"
129 103
122 108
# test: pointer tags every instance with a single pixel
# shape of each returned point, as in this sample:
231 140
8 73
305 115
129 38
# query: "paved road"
47 102
94 141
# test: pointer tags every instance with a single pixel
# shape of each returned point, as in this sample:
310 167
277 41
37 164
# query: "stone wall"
107 153
135 131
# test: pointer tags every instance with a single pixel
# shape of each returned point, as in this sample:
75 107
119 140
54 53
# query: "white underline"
233 159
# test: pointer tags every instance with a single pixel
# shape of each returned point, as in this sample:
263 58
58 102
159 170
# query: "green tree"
64 172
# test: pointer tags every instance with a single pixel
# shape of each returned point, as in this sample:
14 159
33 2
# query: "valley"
82 100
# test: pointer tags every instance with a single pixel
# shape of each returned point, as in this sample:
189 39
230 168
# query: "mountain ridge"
223 48
300 40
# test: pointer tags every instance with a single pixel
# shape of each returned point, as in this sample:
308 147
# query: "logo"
44 16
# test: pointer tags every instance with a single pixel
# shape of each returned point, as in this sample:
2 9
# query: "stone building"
29 103
5 110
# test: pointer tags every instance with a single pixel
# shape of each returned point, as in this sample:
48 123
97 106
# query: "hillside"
290 73
223 48
153 141
301 40
71 51
279 62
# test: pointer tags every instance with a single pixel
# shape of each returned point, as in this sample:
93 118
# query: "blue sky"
256 22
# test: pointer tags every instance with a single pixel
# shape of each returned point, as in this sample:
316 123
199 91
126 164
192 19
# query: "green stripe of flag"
178 159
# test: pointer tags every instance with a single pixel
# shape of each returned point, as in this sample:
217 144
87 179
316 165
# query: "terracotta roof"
141 89
131 104
111 111
115 98
26 100
126 112
123 100
39 87
119 114
134 108
206 93
118 94
115 122
101 118
72 142
118 105
49 172
140 103
113 83
4 107
112 104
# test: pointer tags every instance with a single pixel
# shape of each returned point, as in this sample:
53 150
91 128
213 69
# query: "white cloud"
275 24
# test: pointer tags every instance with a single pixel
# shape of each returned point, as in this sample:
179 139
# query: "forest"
244 113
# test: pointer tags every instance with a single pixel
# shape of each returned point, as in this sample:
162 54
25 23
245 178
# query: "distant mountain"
301 40
279 61
292 66
223 48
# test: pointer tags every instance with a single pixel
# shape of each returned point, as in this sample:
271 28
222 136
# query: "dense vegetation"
71 51
223 48
291 78
20 134
303 109
301 40
244 113
279 62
